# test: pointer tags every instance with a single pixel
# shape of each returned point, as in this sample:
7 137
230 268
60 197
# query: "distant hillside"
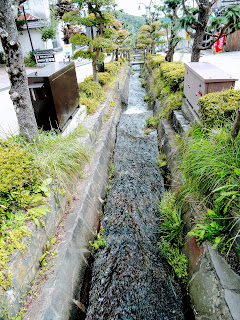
130 22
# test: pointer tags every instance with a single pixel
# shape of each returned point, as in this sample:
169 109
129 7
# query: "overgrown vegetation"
208 162
26 174
171 231
211 167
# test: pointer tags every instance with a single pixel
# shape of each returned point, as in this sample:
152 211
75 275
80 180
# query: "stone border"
80 225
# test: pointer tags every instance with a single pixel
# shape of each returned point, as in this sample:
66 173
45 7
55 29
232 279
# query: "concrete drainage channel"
130 280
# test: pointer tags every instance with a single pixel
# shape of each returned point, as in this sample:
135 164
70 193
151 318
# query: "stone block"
189 113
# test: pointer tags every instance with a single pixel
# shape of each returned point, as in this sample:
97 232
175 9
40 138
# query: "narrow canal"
130 280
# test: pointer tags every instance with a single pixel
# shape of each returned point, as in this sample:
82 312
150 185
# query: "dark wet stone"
130 280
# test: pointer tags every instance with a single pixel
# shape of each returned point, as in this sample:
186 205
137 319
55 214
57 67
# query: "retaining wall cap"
233 301
229 279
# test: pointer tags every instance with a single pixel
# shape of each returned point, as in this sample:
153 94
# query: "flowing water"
130 279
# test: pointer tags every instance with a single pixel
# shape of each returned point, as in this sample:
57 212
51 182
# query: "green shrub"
154 61
117 64
173 73
103 78
91 104
90 89
216 108
111 68
19 178
122 60
30 60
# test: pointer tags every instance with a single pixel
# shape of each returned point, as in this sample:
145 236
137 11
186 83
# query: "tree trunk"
203 17
195 56
94 66
116 55
153 48
19 91
236 126
113 54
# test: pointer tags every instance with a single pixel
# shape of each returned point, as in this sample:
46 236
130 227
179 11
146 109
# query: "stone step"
179 122
189 113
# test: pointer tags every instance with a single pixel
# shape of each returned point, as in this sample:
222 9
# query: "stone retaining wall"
214 288
57 295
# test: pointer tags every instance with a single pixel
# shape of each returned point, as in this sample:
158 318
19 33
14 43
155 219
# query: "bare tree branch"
185 8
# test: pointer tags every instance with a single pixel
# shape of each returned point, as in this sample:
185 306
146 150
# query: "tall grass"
209 162
60 157
211 166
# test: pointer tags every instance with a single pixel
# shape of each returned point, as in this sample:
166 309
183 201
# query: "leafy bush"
91 104
122 61
117 64
171 102
171 230
111 68
216 108
154 61
98 243
30 60
173 73
103 78
90 89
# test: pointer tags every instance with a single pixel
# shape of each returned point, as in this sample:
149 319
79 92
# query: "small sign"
44 56
67 50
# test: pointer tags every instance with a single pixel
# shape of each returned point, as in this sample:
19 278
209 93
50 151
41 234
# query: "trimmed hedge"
155 61
103 78
173 74
217 108
111 68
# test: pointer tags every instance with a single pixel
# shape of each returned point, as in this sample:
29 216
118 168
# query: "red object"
219 45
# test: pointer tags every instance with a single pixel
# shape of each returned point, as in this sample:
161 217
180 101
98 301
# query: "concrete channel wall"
56 295
213 287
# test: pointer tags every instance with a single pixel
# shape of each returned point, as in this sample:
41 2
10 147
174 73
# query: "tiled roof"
29 17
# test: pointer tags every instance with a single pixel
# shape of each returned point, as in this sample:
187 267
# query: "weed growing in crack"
99 242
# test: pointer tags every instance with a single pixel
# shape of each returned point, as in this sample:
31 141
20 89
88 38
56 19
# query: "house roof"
33 21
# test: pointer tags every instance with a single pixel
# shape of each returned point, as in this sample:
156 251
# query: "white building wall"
39 8
36 41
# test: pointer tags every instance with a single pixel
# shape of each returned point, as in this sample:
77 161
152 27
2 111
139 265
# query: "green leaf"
35 220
